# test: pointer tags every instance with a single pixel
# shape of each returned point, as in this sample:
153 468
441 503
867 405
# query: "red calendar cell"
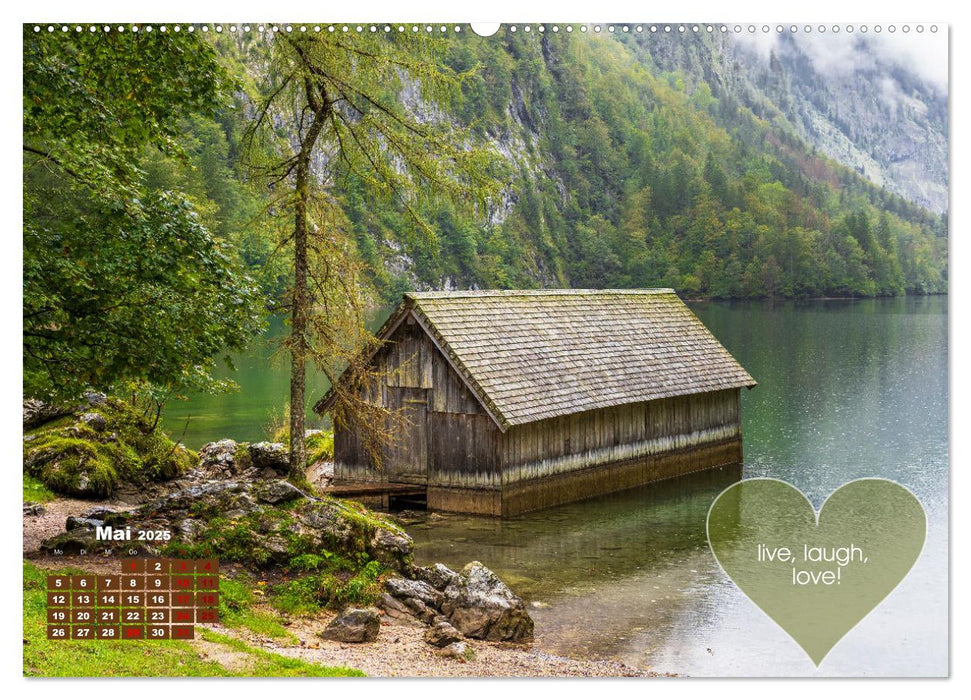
82 632
132 632
182 566
207 566
183 615
183 632
207 583
182 600
207 599
207 615
132 566
183 583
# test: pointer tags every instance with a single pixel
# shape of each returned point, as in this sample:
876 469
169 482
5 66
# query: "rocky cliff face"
875 104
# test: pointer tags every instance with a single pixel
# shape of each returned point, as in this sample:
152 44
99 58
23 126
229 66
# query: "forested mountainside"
849 96
625 161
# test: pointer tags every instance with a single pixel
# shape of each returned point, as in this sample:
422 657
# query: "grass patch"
47 658
320 445
236 599
44 657
35 491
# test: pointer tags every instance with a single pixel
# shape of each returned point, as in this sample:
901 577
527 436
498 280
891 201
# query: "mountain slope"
629 161
877 104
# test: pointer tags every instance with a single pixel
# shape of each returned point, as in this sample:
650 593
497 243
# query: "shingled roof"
530 355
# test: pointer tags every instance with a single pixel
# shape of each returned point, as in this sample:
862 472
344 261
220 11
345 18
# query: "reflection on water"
847 389
627 552
262 377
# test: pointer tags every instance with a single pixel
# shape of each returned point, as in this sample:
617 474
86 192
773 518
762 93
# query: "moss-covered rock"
94 449
265 524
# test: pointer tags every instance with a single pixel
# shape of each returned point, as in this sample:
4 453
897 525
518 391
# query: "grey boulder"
270 455
479 605
441 634
354 625
460 651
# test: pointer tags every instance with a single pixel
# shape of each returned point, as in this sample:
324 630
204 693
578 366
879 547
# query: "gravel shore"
400 651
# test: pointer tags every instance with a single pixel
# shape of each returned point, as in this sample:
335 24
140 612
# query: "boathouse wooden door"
410 451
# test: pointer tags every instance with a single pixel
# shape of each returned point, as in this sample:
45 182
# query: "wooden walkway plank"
348 490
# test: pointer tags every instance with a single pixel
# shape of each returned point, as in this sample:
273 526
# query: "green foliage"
69 457
35 491
320 447
334 582
149 249
122 282
621 176
265 664
239 540
334 117
236 600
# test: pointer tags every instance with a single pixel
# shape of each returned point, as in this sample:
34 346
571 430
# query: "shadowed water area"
847 389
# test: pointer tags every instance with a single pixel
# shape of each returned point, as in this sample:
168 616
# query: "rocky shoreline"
405 646
377 610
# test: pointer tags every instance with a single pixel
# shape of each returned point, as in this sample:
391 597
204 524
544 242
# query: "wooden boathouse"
512 401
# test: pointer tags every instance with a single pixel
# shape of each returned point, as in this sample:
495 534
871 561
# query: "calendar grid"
154 599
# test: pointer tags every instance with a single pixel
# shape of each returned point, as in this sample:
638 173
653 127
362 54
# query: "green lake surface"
847 389
262 374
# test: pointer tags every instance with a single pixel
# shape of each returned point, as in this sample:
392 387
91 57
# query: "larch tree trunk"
301 299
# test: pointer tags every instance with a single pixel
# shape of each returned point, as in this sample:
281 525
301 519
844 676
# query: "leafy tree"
122 283
362 108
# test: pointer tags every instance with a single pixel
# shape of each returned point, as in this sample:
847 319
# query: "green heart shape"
759 531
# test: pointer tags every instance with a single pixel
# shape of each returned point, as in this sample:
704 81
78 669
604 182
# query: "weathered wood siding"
446 440
619 433
443 435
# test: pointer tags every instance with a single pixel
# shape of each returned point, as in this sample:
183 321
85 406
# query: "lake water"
847 389
263 376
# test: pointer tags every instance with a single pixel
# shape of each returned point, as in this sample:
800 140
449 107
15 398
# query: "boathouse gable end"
512 401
